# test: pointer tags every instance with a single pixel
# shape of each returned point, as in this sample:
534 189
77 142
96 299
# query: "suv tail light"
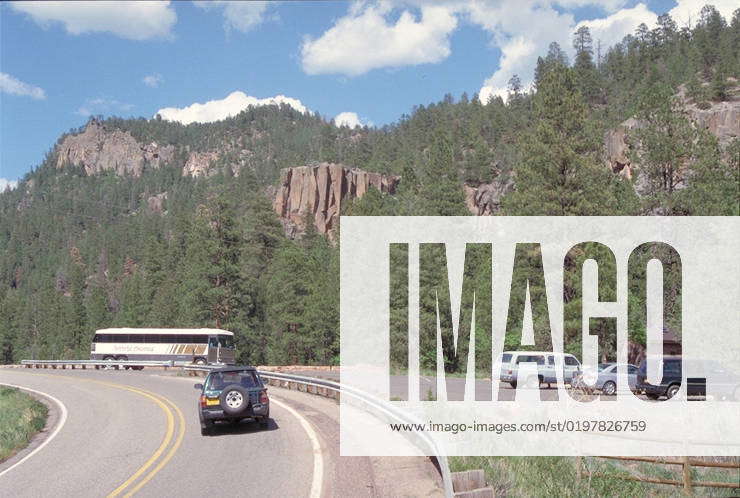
263 397
202 400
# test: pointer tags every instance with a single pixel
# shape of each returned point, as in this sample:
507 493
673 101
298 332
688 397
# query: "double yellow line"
126 487
175 423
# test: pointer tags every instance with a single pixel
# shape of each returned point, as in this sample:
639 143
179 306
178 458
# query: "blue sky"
61 63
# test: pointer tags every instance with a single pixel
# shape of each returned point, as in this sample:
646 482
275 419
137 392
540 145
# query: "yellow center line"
169 455
157 398
160 450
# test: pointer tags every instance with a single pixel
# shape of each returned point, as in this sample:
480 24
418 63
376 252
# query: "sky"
359 63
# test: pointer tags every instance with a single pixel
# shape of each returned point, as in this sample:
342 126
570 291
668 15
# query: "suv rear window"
505 358
245 378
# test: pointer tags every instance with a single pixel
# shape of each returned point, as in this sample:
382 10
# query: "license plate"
212 402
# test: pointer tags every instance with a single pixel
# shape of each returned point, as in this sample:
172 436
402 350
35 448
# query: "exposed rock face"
320 191
721 119
198 163
98 149
618 147
156 203
485 199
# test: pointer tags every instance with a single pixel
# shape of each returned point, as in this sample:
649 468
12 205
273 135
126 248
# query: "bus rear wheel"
123 358
111 359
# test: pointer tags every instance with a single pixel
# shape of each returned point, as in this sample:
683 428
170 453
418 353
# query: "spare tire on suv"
234 399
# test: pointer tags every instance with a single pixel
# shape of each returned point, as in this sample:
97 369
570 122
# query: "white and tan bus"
199 346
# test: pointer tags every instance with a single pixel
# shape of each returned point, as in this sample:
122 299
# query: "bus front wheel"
200 361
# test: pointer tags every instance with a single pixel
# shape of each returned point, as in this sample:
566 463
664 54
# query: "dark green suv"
232 394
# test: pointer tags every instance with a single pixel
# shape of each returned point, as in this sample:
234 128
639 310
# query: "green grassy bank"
21 416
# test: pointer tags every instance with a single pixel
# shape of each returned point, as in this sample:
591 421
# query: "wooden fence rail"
687 482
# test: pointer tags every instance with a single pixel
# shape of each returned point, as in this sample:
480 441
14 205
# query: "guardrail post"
687 476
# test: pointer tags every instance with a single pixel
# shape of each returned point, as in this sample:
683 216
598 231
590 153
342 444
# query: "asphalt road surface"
130 432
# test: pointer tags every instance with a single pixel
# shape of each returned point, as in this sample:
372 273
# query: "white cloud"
102 105
610 30
152 80
14 86
216 110
132 20
7 184
350 119
522 30
241 16
607 5
686 12
364 40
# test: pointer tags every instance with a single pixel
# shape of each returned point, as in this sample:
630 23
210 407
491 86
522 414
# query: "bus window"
226 341
213 341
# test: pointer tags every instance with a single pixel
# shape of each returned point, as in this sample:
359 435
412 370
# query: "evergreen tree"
441 189
663 149
559 174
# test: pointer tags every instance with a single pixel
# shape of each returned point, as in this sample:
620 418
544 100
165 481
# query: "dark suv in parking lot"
725 383
232 394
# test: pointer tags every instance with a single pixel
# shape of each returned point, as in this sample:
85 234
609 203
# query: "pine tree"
213 282
441 189
559 174
663 148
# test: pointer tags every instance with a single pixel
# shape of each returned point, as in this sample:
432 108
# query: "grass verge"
21 417
556 476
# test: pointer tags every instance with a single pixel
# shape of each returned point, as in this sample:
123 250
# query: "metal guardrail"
316 384
95 363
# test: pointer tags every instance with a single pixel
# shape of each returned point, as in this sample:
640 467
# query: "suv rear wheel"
264 421
672 390
206 428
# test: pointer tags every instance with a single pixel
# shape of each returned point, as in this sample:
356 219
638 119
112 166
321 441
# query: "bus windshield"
226 341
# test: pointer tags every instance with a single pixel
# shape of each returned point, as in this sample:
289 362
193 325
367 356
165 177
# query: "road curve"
134 432
138 432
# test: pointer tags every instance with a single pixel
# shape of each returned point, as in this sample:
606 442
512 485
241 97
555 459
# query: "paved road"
139 432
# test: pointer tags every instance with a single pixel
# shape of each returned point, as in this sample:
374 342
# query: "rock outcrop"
156 203
198 163
319 192
618 147
485 199
721 119
98 149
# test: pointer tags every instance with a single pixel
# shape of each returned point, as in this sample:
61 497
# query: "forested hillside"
192 239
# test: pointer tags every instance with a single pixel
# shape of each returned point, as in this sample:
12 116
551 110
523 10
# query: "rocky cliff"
485 199
721 119
99 149
318 193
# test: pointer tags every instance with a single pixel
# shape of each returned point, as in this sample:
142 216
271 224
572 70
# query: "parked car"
606 377
725 384
546 363
232 394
